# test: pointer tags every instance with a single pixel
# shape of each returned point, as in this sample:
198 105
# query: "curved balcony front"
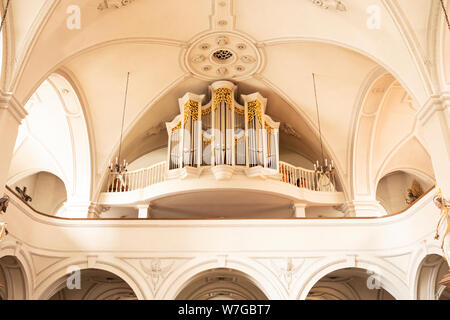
255 188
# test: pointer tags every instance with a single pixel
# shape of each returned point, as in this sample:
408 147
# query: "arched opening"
52 147
349 284
398 190
221 284
43 191
12 279
431 271
94 284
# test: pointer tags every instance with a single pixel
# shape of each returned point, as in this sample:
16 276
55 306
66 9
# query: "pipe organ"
223 132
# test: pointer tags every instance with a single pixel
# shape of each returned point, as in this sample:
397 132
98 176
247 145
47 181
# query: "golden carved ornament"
178 126
444 218
268 127
222 95
206 111
254 109
190 109
239 111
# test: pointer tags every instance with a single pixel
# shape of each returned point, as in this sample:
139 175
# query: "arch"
392 189
54 278
10 249
95 284
390 281
79 135
47 191
259 275
349 284
429 270
372 96
62 149
221 283
442 51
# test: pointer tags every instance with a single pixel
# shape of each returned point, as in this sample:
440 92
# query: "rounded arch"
349 284
393 193
416 260
372 96
47 191
62 148
81 146
390 281
380 144
259 275
54 278
429 271
221 283
20 280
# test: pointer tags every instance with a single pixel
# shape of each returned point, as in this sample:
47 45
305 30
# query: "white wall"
47 191
392 190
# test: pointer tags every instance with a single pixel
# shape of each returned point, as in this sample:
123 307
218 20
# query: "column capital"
143 211
9 102
78 209
299 210
363 208
435 103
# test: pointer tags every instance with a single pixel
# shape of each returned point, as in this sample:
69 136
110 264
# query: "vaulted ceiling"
290 39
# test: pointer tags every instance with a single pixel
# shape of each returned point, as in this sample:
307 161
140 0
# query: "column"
299 210
434 117
435 120
363 208
11 115
143 211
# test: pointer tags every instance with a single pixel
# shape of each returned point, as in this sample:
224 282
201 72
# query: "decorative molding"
330 4
10 103
223 55
222 17
153 131
436 103
287 270
156 271
289 130
113 4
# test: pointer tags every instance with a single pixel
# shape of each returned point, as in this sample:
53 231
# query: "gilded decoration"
239 111
178 126
222 95
206 141
206 111
254 109
268 127
190 109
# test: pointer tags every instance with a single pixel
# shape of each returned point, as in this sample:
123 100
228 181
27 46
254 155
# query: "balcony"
223 155
242 188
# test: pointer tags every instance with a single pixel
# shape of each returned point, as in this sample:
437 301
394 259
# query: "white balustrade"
137 179
307 179
142 178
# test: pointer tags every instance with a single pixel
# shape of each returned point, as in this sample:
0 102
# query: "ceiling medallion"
333 4
113 4
223 56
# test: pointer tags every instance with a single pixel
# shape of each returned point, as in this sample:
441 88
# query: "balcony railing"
137 179
142 178
307 179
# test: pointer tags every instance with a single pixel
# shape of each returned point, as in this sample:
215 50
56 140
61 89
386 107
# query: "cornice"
9 102
435 103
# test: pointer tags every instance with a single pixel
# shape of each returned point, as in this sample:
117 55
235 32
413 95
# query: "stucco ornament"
156 272
221 55
330 4
110 4
4 202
